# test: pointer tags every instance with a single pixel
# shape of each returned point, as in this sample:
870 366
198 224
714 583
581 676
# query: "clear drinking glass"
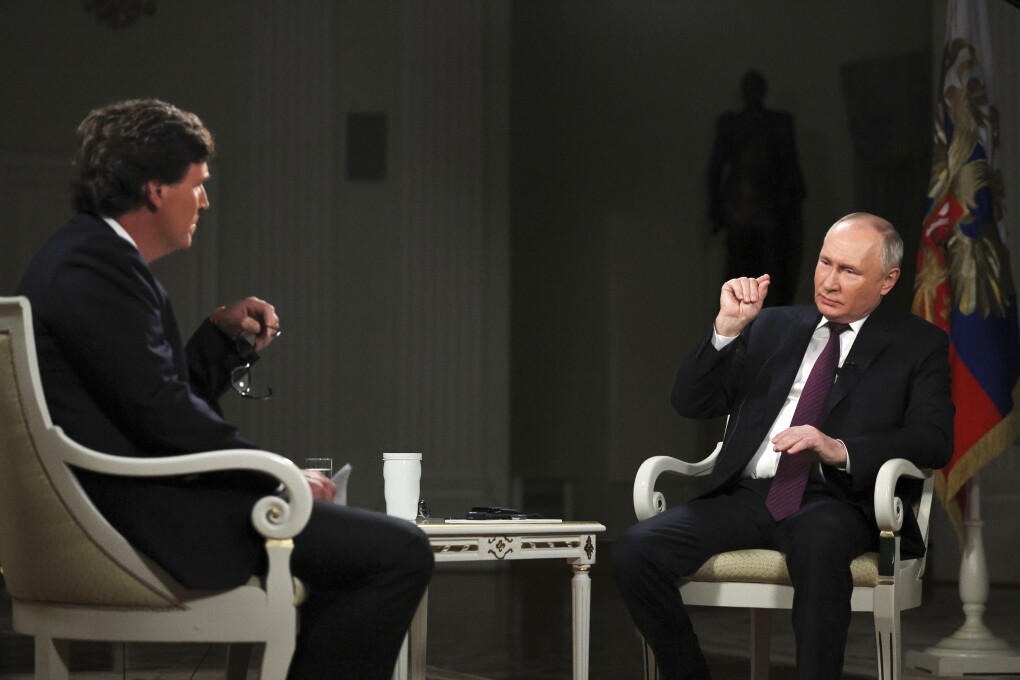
323 465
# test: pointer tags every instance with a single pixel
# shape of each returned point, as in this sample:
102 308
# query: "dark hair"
124 145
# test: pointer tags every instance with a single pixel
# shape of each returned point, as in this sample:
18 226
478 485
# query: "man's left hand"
323 488
810 441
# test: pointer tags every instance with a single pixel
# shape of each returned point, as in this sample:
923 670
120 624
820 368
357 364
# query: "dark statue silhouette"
756 190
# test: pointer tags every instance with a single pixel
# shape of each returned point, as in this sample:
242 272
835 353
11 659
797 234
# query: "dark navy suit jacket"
118 379
893 402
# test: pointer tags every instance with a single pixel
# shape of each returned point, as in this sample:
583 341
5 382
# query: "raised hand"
250 316
739 303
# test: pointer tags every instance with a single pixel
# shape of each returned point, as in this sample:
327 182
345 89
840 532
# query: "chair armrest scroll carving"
648 501
888 507
274 516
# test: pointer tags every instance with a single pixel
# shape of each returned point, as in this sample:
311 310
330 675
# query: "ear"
891 277
153 195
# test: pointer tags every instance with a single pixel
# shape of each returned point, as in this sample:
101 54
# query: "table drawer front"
580 548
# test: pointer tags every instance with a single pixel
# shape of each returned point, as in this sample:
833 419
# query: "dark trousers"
819 540
366 574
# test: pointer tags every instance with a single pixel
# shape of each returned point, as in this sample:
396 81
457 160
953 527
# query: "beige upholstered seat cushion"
769 566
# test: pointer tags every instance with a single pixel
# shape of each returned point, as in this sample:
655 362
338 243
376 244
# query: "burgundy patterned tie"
787 488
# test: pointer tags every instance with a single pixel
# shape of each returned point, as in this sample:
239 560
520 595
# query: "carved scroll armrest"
648 501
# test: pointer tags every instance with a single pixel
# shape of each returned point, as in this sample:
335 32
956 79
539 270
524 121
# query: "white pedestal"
972 649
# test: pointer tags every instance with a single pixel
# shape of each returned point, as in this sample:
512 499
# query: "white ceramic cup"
402 484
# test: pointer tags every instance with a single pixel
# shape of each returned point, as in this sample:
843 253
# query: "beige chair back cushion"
46 555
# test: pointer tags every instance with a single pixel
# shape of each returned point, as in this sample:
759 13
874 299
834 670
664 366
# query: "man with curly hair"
118 378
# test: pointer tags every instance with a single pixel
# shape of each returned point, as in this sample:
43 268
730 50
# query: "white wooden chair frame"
884 583
72 576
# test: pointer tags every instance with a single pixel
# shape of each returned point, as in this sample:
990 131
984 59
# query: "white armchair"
884 583
71 576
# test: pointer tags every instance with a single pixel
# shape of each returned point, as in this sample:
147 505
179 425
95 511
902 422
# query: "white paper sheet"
340 479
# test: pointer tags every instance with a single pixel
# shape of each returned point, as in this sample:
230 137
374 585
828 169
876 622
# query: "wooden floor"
512 622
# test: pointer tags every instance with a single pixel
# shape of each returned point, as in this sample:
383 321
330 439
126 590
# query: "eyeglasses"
240 377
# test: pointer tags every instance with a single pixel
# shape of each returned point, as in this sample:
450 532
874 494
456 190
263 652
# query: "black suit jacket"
895 403
118 379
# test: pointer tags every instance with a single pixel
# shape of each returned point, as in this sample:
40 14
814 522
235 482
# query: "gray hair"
892 242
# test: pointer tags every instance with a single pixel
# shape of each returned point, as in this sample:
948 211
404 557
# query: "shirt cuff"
846 466
720 341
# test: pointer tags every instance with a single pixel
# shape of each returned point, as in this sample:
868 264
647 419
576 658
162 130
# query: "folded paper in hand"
340 479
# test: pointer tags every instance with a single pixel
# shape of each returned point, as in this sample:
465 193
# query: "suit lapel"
781 369
875 336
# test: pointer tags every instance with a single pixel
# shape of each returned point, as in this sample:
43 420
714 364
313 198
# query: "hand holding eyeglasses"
252 318
253 324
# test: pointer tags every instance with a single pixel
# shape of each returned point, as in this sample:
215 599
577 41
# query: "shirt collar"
855 326
120 231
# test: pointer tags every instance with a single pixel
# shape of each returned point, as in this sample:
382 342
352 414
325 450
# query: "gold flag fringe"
995 441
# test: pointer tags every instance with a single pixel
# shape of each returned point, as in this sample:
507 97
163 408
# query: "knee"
419 558
406 555
808 559
629 552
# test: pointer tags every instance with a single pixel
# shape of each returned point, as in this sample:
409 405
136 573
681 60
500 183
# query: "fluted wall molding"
291 249
441 308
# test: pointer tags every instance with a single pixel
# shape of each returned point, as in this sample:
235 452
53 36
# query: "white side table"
511 540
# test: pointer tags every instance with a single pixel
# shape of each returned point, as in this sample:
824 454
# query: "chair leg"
276 659
761 643
52 658
887 637
651 670
238 660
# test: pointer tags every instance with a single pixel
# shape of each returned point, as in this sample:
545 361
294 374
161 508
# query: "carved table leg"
582 617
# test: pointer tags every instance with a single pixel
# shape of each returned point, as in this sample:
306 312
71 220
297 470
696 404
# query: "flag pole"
973 648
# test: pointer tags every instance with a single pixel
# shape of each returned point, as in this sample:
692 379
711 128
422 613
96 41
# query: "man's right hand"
739 303
250 316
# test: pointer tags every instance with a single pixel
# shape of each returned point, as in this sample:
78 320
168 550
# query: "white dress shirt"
766 460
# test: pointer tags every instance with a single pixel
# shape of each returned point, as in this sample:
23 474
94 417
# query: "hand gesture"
251 317
739 303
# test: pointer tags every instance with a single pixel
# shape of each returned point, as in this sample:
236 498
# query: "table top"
508 527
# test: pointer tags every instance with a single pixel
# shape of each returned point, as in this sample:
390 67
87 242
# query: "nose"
831 281
203 200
